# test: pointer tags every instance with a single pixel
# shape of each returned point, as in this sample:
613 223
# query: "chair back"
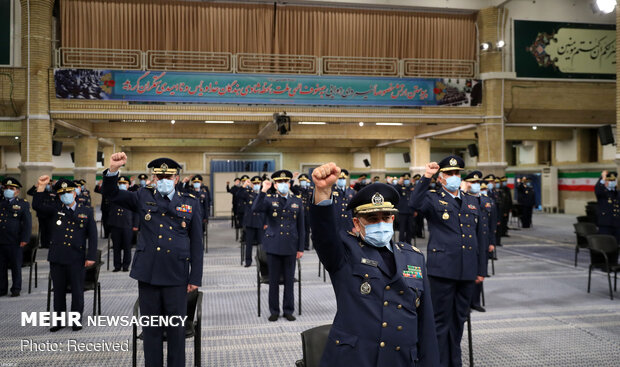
313 343
92 273
582 230
30 251
600 244
192 301
261 258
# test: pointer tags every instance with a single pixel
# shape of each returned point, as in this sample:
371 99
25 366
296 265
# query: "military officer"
123 223
68 255
454 260
15 227
405 214
506 207
45 226
342 196
495 193
305 190
83 197
487 228
233 191
375 179
142 182
608 214
168 260
418 219
385 314
105 210
362 181
252 221
527 200
202 193
283 240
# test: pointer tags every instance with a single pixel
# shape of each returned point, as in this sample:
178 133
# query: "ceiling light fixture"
606 6
172 122
312 123
361 123
485 46
389 123
218 122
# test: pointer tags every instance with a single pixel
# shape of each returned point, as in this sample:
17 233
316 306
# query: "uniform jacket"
344 218
169 248
121 217
84 199
487 227
15 221
405 195
251 219
382 319
204 197
453 248
285 230
526 195
70 230
608 205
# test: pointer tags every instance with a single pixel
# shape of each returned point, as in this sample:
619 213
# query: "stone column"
86 163
377 163
617 91
420 153
491 146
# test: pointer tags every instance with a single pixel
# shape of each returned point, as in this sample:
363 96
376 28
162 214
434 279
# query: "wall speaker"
100 158
406 157
606 135
473 150
72 157
366 163
56 147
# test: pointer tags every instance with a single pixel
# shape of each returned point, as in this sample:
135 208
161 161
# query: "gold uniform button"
167 251
159 248
365 275
399 328
399 306
387 287
169 238
382 344
384 324
161 226
170 227
401 292
397 348
463 235
385 303
160 236
337 341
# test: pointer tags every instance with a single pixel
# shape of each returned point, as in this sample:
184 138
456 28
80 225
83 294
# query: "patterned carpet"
538 311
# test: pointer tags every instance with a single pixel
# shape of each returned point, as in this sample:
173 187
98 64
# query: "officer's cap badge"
164 166
377 199
283 174
64 185
453 162
9 182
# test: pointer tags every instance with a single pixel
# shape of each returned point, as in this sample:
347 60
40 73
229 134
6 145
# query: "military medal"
147 217
15 214
445 216
58 222
365 288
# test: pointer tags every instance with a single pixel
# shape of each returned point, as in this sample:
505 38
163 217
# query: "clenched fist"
43 181
117 160
266 185
431 169
324 177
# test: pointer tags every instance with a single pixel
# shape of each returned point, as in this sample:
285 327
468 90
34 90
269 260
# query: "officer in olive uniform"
83 195
15 228
527 199
123 223
68 255
385 314
305 190
252 221
455 260
168 258
45 226
342 196
283 240
608 197
405 214
487 228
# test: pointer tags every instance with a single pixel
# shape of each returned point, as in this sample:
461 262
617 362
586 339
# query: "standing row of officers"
376 280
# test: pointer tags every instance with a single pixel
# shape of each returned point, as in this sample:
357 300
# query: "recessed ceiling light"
311 123
172 122
361 123
606 6
534 127
389 123
218 122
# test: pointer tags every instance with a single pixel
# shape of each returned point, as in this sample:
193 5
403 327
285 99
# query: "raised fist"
325 176
117 160
42 182
266 185
186 179
431 169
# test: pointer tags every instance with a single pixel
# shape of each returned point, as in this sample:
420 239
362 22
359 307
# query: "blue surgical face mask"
9 194
367 181
483 192
379 234
78 190
196 185
282 187
474 188
304 184
453 183
67 198
142 183
256 187
341 182
165 186
407 182
490 186
122 187
611 185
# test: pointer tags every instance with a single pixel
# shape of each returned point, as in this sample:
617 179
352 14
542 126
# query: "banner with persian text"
564 50
192 87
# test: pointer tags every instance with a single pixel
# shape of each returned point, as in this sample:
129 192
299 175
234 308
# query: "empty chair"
30 260
313 343
582 230
604 256
262 276
585 219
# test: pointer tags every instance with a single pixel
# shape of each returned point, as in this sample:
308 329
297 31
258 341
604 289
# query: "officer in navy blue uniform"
527 200
487 228
342 196
283 240
385 313
418 219
195 187
405 214
68 254
168 258
608 197
141 182
362 182
305 191
252 221
123 222
455 260
105 210
506 207
45 226
15 228
233 191
495 193
82 197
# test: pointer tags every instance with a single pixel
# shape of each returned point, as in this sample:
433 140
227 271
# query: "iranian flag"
577 181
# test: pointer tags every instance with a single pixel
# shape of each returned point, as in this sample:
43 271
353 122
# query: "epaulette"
298 196
191 195
416 249
432 190
352 233
268 195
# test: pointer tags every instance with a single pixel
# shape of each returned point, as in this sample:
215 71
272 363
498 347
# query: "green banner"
564 50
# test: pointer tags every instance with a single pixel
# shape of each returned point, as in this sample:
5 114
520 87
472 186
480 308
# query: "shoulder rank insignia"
298 196
268 195
432 190
443 202
191 196
416 249
335 193
443 194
